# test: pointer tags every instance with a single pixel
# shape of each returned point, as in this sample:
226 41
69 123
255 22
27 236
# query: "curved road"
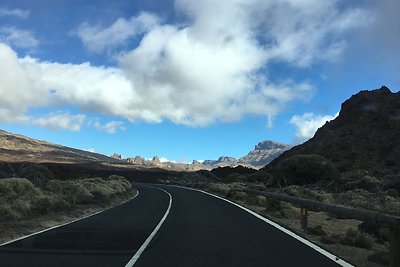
200 230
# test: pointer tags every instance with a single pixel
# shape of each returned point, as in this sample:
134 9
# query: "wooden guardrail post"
394 248
304 218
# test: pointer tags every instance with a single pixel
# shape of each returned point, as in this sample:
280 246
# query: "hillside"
18 148
364 137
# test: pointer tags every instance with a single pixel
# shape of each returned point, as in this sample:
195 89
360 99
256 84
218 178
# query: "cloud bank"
18 38
18 13
308 123
211 67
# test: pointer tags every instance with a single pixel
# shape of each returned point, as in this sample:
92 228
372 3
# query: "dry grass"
25 208
12 230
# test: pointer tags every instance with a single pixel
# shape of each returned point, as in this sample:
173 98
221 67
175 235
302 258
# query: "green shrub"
70 191
17 188
273 205
37 174
208 175
260 176
7 213
121 180
302 192
366 182
357 239
304 169
45 204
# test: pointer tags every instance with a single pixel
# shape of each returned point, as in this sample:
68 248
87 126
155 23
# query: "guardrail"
388 221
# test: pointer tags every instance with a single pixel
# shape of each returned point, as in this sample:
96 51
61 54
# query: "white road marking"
151 236
279 227
60 225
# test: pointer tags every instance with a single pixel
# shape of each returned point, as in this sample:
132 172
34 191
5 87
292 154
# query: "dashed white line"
151 236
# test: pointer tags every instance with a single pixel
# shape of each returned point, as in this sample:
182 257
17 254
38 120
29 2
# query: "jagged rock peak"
226 159
116 156
268 144
156 160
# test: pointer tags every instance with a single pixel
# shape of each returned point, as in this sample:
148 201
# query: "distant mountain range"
18 148
263 153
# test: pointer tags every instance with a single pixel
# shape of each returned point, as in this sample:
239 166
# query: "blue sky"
188 79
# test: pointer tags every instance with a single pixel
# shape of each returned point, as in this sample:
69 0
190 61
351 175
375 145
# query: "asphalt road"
200 230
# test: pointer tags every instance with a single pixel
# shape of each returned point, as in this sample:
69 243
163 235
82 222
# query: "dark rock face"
365 135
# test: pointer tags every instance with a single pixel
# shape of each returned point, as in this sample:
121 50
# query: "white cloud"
19 13
163 160
110 127
61 121
380 42
211 68
18 38
90 150
308 123
98 39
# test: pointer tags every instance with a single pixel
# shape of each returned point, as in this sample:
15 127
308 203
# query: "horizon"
186 80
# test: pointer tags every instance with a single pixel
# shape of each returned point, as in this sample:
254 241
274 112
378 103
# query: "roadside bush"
357 239
366 182
16 188
70 191
120 181
298 191
104 190
7 213
45 204
208 175
20 198
100 190
260 176
272 205
304 169
37 174
16 195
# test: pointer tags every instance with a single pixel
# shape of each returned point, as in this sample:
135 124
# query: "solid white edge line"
151 236
60 225
279 227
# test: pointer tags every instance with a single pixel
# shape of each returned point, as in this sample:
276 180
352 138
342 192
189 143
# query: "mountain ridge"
18 148
364 136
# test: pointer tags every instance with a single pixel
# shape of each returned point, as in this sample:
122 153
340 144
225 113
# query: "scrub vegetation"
29 199
19 198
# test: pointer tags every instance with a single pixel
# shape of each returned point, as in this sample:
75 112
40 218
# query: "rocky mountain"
365 136
221 162
155 162
263 153
18 148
